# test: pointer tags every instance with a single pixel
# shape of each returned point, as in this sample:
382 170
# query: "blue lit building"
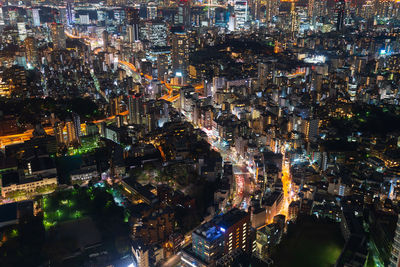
207 242
225 234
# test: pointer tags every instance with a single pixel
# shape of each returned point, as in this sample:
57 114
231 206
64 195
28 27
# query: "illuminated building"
395 258
310 11
183 17
105 40
21 31
84 19
155 31
384 8
115 105
4 88
162 66
72 135
310 129
232 23
31 51
207 242
84 174
28 186
12 16
70 15
58 36
120 2
340 9
132 21
294 24
273 205
135 107
36 17
2 23
241 10
151 10
266 238
271 10
223 235
15 77
58 132
367 10
294 208
180 53
77 124
140 253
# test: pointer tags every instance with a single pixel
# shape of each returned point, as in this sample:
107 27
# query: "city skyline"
199 133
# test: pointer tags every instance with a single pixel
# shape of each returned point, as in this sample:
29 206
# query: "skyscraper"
105 40
151 10
22 31
340 9
184 14
31 51
36 17
132 22
271 10
77 124
155 31
72 136
180 53
135 107
395 258
241 13
58 132
70 16
58 36
162 66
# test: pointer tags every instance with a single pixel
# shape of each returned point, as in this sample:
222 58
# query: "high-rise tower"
58 36
340 9
132 22
180 53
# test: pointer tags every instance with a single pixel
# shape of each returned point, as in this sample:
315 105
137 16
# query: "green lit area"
72 204
88 144
310 243
56 210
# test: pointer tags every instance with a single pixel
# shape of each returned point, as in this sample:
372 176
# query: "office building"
162 66
207 242
154 31
235 225
183 17
22 31
223 235
241 10
70 14
151 10
105 40
36 17
72 135
180 53
31 51
140 253
59 133
58 36
340 9
132 22
395 258
135 108
77 124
